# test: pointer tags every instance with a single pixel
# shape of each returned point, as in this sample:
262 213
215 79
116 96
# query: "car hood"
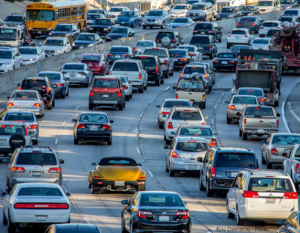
90 21
196 11
123 173
59 33
13 23
28 56
117 34
265 7
100 26
153 17
178 11
5 60
52 47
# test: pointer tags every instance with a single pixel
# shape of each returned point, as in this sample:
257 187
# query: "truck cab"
11 36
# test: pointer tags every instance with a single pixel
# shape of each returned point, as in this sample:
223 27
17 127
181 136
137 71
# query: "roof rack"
35 147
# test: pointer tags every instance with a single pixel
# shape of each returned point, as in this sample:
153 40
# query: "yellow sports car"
117 174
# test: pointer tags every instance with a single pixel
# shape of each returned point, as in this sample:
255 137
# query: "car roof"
74 63
187 45
15 111
127 60
142 55
178 49
28 47
87 33
53 72
156 48
253 96
158 192
106 77
120 46
43 185
195 126
176 100
266 172
36 148
166 30
35 91
230 149
35 77
55 38
186 108
240 29
80 228
95 113
253 88
189 138
271 21
201 3
285 134
66 24
145 41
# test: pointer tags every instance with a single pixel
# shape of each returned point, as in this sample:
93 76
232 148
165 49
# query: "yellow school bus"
42 17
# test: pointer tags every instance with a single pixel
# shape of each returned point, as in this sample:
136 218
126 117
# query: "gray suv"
156 18
31 164
168 39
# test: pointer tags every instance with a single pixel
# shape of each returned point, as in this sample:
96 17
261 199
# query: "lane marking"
138 150
63 123
167 88
2 113
283 117
150 173
56 140
141 115
136 131
292 111
77 108
151 101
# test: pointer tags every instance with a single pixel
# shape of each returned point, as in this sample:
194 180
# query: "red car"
97 63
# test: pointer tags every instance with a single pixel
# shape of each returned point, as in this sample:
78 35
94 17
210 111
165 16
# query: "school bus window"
75 11
40 15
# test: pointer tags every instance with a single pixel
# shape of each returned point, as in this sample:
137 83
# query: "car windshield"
180 20
19 117
32 83
244 100
270 24
125 66
39 191
206 26
226 55
280 185
259 112
124 80
155 13
96 11
238 33
51 76
41 15
286 19
200 40
117 162
120 30
8 34
285 1
178 7
190 70
144 44
147 61
24 95
171 104
286 139
102 22
178 53
255 92
93 17
86 37
114 9
28 51
187 85
235 160
156 52
12 18
247 19
161 35
36 158
64 28
271 32
291 12
73 67
127 14
260 41
187 115
5 54
198 7
192 2
160 199
196 132
95 118
189 48
107 83
51 42
12 129
227 10
90 58
265 3
237 48
247 8
192 146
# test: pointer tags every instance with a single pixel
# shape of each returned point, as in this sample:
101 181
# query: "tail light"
238 24
142 214
210 47
36 105
216 62
297 168
274 151
206 75
10 104
203 97
229 35
41 206
181 75
54 170
245 121
134 49
183 59
32 126
193 54
202 123
142 177
174 41
26 130
261 27
48 89
213 142
96 177
176 96
17 169
252 24
91 93
105 126
293 23
166 62
246 36
81 126
195 31
165 113
170 125
184 214
20 88
262 100
156 69
211 31
277 122
140 76
126 55
59 84
233 62
109 55
125 87
250 194
291 195
175 155
119 94
232 107
213 172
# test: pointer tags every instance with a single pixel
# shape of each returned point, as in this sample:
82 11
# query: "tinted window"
116 9
260 41
14 18
107 83
270 24
189 48
119 49
11 129
144 44
247 8
67 28
270 185
265 3
93 17
244 100
238 33
39 192
178 7
235 160
178 53
125 66
155 13
190 86
51 76
271 32
102 22
147 61
119 30
160 199
190 70
19 117
27 51
257 111
180 20
192 146
286 140
200 40
24 95
206 26
171 104
86 37
291 12
36 158
193 116
196 132
97 118
50 42
227 10
73 67
286 19
237 48
29 83
91 57
198 7
156 52
127 13
5 54
250 92
161 35
247 19
117 161
226 55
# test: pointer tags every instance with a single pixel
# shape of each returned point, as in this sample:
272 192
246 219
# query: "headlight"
90 45
7 63
49 29
50 34
230 16
108 37
59 51
30 28
33 59
74 44
158 19
131 19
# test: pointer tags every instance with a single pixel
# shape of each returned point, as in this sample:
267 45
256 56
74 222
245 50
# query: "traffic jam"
173 134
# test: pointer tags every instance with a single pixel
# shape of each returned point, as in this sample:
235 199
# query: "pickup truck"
258 120
291 165
191 90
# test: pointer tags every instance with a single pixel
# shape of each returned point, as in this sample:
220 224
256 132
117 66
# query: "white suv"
261 195
182 115
267 25
239 36
56 45
10 59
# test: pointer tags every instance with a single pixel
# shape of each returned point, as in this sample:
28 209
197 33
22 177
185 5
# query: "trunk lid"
122 173
24 103
263 122
163 214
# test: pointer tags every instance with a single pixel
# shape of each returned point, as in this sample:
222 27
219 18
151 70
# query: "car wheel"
160 124
53 103
123 227
240 134
201 186
64 95
121 107
210 56
228 120
68 92
141 89
75 141
162 26
239 221
168 142
276 104
171 172
131 228
141 187
91 106
145 87
11 227
228 46
166 74
244 136
94 191
127 97
172 72
209 192
144 27
269 165
133 25
220 40
229 214
109 142
86 84
49 106
157 82
263 160
162 81
4 219
35 142
131 95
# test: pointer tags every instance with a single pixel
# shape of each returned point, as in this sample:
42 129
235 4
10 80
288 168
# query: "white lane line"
150 173
151 101
77 108
141 115
292 111
167 88
138 150
63 123
283 117
56 140
87 221
136 131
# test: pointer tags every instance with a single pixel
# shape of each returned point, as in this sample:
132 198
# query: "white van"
266 6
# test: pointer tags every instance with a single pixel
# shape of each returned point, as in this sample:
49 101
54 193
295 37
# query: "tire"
53 103
123 227
162 81
229 214
269 165
93 190
201 186
144 27
133 26
4 220
228 46
86 84
166 74
75 141
239 221
67 94
168 142
204 106
162 26
296 187
220 40
209 192
276 104
127 97
32 36
141 187
35 142
157 82
172 72
49 106
11 227
240 134
91 106
131 95
145 87
228 120
109 142
244 136
167 169
160 124
171 172
263 161
210 56
121 107
141 89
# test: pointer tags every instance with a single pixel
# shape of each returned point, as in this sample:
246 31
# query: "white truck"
222 3
11 36
291 165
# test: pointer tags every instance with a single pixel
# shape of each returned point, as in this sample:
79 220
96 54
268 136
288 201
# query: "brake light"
211 31
210 47
59 84
36 105
176 96
40 206
134 49
32 126
174 41
175 155
232 107
245 121
213 172
232 62
10 104
261 27
193 54
262 100
125 55
203 97
229 35
91 93
184 214
183 59
96 177
125 88
142 214
81 126
250 194
297 168
26 130
215 61
238 24
54 170
274 151
17 169
212 142
252 24
142 177
195 31
291 195
206 75
155 48
246 36
181 75
165 113
143 57
155 40
119 94
105 126
109 55
48 89
166 62
20 88
156 69
170 125
140 76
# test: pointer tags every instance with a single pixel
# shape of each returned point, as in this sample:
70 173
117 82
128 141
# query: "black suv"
102 27
206 44
41 84
209 29
221 165
153 67
168 39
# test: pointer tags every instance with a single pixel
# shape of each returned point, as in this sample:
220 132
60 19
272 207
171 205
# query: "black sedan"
86 40
181 57
253 23
228 12
102 27
155 211
249 10
225 61
119 32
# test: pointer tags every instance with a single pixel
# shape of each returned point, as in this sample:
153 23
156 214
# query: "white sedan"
31 54
35 204
239 36
261 43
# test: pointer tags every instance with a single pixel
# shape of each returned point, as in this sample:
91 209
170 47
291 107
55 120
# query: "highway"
137 135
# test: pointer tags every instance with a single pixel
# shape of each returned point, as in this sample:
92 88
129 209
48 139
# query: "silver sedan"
183 154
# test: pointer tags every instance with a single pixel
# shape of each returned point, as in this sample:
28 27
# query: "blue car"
86 40
129 18
118 33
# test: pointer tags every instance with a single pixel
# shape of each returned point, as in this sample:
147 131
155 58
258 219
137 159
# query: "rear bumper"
255 131
231 114
225 66
276 159
180 166
247 213
78 80
221 184
183 226
153 77
106 102
95 136
110 185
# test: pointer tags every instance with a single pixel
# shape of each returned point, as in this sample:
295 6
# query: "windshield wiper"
44 19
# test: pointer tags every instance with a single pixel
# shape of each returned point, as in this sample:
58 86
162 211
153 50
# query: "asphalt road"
137 135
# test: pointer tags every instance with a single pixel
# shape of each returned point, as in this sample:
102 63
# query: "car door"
231 194
41 101
127 211
166 17
169 151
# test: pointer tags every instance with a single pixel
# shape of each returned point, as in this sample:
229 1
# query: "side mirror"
139 164
74 120
94 164
185 202
166 147
239 114
124 202
175 88
68 194
278 114
61 161
158 106
111 121
215 134
67 79
205 117
285 155
199 159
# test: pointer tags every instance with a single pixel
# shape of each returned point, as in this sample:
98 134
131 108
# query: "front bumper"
152 24
24 63
37 33
6 68
125 23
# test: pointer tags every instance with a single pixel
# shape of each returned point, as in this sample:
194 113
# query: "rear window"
260 41
244 100
29 83
247 19
180 20
37 191
118 49
205 26
160 199
91 57
235 160
238 33
36 158
24 95
196 132
190 70
51 76
171 104
125 66
95 118
270 185
291 12
73 67
117 162
144 44
286 140
12 129
259 112
192 146
189 48
227 10
191 116
19 117
250 92
178 53
156 52
286 19
200 40
147 61
107 83
272 32
226 55
161 35
270 24
237 48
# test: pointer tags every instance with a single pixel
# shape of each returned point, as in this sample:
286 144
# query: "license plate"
54 86
202 33
270 201
119 183
2 141
41 217
93 128
224 62
158 44
117 56
104 95
72 75
260 131
36 173
163 218
39 32
89 65
191 167
233 174
31 132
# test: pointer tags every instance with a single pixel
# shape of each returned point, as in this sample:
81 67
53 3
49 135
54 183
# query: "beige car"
237 104
276 145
